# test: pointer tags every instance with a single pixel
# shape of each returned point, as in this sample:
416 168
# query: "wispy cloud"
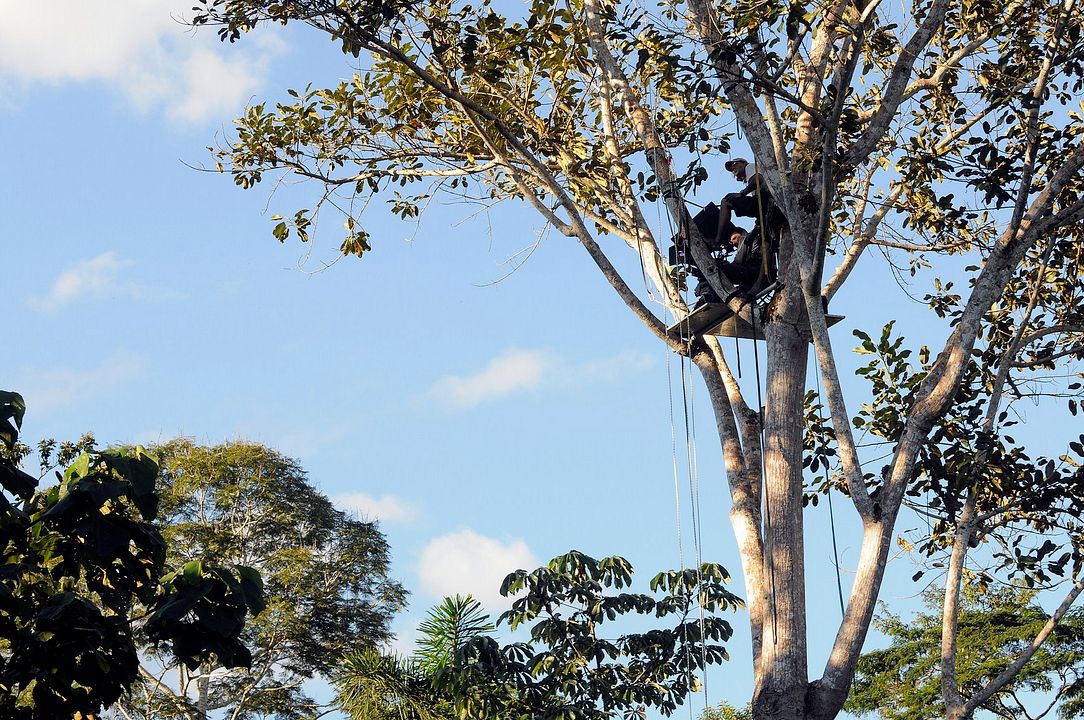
139 47
466 562
100 276
386 508
514 371
46 389
611 368
518 371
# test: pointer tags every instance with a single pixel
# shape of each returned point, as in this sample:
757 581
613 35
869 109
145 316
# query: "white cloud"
466 562
93 278
518 371
213 85
612 368
512 372
49 388
141 48
386 508
98 277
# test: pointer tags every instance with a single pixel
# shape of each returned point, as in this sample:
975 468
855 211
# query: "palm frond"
448 627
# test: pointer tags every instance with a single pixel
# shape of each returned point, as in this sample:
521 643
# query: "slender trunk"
202 688
743 476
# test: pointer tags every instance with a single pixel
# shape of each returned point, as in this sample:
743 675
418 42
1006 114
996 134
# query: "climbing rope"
831 511
694 506
691 464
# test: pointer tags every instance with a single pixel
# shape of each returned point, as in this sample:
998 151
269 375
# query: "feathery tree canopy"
902 681
325 577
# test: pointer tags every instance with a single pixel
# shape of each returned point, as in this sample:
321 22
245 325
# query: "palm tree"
376 686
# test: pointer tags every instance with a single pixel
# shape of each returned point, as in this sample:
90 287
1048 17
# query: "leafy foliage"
325 577
376 686
83 566
945 134
902 682
726 711
570 668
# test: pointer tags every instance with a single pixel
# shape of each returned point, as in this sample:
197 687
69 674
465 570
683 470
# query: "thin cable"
831 511
835 554
737 353
694 503
673 452
677 493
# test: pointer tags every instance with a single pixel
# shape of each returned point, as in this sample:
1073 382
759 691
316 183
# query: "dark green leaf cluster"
892 380
1031 507
818 450
81 560
570 669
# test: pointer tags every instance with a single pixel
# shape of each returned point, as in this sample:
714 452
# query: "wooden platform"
719 319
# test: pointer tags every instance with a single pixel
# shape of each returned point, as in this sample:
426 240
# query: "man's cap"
729 164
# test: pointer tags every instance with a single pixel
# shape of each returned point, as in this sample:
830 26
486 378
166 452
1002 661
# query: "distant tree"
726 711
325 576
903 681
84 568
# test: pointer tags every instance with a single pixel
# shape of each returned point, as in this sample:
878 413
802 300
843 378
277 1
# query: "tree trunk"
781 671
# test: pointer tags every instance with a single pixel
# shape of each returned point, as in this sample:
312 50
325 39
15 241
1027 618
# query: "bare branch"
999 682
893 94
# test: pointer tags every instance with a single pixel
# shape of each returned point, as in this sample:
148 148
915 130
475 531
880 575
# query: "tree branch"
893 94
999 682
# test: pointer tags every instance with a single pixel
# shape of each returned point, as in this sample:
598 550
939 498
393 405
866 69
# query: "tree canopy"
941 136
325 574
902 681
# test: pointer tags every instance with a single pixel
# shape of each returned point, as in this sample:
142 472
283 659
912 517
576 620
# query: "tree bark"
781 678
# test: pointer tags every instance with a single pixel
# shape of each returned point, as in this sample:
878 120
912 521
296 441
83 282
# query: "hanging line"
691 460
694 504
831 511
673 429
764 484
677 496
673 453
763 227
737 353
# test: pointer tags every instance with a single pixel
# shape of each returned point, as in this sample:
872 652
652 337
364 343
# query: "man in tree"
752 201
746 267
939 127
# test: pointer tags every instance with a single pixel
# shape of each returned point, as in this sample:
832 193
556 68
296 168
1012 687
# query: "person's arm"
753 185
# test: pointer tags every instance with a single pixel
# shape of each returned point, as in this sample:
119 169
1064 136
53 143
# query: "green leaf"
12 409
252 589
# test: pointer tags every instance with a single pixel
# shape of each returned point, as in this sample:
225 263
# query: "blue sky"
490 419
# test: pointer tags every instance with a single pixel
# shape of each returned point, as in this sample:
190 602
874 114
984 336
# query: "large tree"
929 132
325 576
